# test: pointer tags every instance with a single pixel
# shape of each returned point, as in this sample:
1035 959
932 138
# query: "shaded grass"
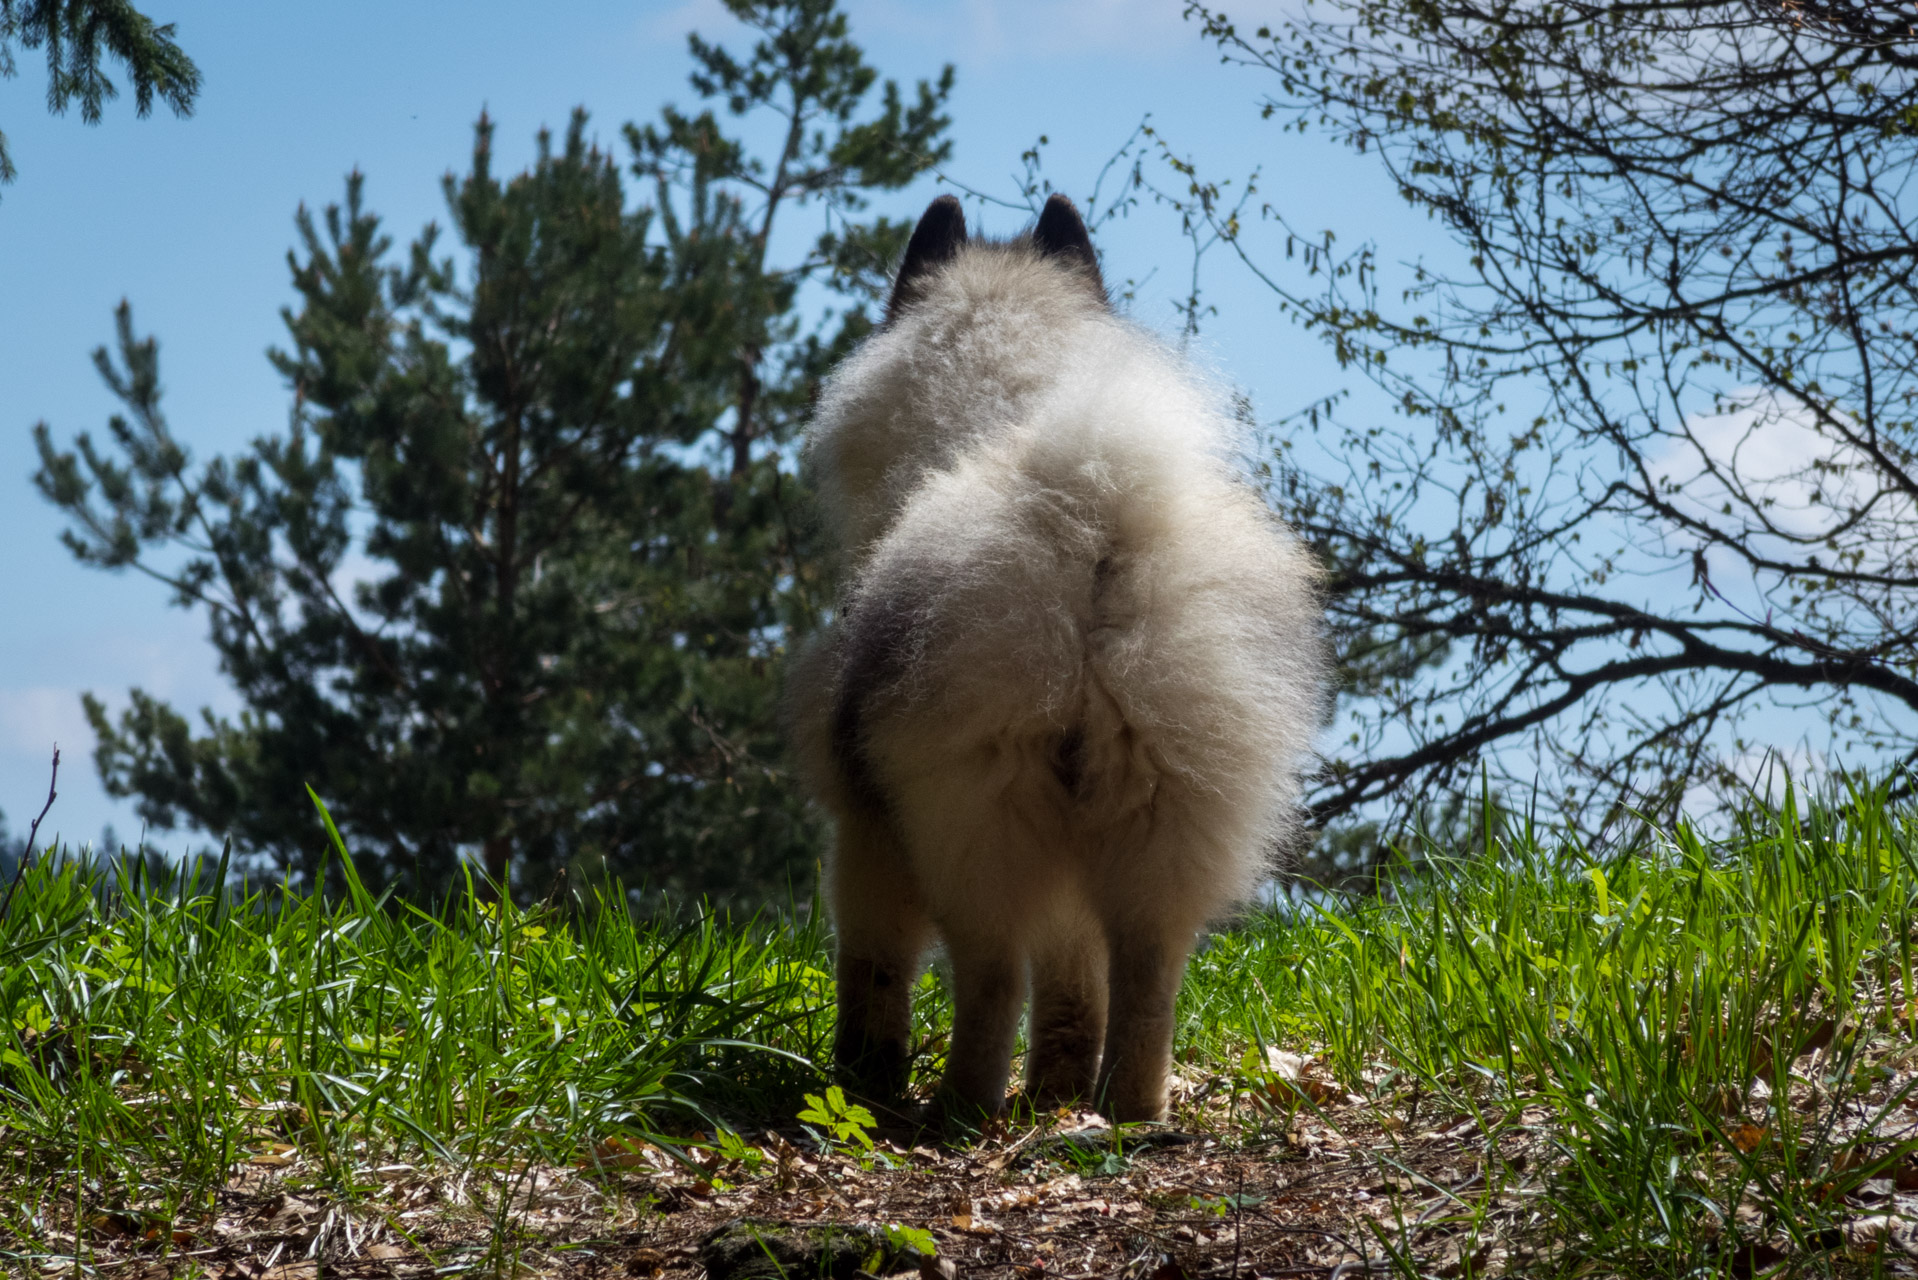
1710 1039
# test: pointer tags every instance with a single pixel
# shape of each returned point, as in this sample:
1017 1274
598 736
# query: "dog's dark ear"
1061 233
935 242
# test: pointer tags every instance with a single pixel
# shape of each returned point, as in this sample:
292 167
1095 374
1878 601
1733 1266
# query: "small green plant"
846 1122
1100 1157
732 1148
902 1239
1219 1206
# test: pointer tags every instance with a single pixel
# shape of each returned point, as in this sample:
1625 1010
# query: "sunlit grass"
1710 1040
156 1037
1649 1008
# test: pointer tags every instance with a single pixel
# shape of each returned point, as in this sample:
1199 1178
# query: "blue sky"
191 220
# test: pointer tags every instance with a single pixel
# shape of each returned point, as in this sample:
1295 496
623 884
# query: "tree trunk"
497 857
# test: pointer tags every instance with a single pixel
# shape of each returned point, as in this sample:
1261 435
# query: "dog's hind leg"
883 932
1147 960
988 981
1153 899
1068 1021
990 872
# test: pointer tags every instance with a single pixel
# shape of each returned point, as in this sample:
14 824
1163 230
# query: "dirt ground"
1312 1184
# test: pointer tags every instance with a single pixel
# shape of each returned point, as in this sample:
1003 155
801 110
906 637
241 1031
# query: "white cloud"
1774 463
1763 772
1063 26
33 720
708 17
987 30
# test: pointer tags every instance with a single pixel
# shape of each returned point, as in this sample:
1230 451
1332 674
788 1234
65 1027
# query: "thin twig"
1238 1224
33 833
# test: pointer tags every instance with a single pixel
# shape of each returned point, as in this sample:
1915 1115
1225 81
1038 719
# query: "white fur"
1047 496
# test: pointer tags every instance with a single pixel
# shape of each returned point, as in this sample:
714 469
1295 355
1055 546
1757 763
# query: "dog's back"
1077 664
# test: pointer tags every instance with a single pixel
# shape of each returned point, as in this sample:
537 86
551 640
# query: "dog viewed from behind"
1077 666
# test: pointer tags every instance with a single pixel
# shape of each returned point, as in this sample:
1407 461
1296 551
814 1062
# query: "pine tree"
75 34
558 464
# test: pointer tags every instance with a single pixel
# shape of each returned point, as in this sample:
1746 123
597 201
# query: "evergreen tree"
12 849
76 34
558 466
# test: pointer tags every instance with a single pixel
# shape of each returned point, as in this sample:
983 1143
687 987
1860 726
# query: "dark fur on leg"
988 989
873 1060
1068 1023
1062 1064
1144 974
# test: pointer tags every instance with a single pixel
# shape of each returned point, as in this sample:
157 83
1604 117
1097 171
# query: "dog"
1060 715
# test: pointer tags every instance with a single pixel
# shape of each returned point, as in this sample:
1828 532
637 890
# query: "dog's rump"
1076 645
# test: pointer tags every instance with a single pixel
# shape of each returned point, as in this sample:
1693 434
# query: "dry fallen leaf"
114 1224
1848 1159
622 1153
1879 1229
1285 1065
1284 1080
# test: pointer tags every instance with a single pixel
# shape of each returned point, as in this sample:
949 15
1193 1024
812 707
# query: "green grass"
1637 1014
1653 1001
150 1038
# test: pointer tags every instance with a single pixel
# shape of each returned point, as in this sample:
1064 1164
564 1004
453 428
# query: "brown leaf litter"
1285 1175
